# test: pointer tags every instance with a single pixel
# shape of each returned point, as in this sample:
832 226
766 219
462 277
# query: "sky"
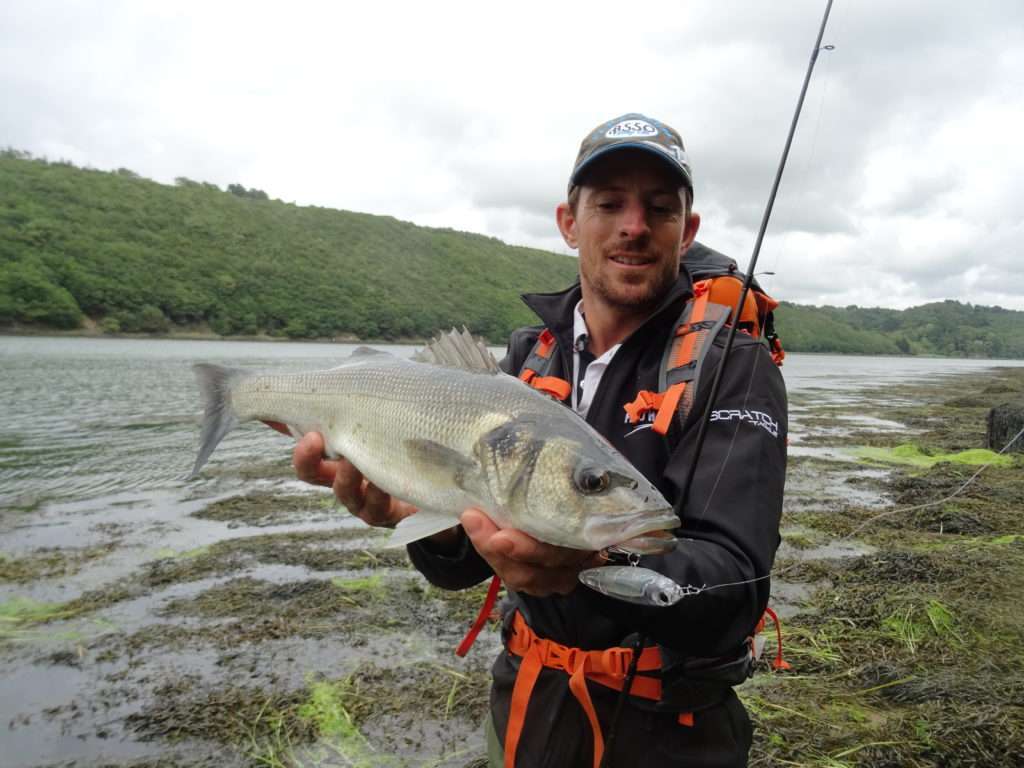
905 183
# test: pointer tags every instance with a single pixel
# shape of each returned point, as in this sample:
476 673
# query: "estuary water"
90 418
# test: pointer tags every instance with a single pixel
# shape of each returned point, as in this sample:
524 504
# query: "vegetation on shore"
910 649
116 253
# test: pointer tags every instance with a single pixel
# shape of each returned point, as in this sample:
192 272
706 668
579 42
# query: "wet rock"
1004 423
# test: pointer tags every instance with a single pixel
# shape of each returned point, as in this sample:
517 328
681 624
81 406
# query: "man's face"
630 226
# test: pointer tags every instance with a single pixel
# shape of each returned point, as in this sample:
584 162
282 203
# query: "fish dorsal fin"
458 350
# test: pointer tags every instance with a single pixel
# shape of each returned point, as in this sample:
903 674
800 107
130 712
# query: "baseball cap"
634 131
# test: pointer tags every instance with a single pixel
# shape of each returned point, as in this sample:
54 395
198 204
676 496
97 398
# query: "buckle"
615 661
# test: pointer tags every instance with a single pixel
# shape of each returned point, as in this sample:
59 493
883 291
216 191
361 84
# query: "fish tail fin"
215 384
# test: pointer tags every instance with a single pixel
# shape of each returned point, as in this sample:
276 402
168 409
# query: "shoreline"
84 333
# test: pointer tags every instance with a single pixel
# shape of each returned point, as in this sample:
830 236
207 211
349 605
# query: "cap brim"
669 162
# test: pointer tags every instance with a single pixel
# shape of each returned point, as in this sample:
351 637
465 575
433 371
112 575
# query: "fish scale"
446 438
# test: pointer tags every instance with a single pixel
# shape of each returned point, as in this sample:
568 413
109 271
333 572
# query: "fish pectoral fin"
436 459
418 526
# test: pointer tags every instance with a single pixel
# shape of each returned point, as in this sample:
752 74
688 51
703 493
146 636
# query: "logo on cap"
630 129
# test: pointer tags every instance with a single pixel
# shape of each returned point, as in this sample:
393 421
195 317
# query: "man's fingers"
522 562
516 545
375 501
526 549
348 486
308 460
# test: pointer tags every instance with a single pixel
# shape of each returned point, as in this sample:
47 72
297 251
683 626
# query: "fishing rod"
716 384
749 277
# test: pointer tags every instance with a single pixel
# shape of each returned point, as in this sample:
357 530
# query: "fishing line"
926 505
693 590
749 277
809 159
716 383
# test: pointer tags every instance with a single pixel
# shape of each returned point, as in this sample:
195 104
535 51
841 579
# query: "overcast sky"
905 183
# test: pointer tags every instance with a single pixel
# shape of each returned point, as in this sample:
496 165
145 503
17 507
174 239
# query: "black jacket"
730 524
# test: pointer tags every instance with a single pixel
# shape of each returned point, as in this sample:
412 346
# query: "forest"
112 252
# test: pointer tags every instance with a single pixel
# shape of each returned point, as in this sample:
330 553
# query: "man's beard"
626 297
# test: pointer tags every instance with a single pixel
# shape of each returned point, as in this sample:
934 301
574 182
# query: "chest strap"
680 365
539 363
605 667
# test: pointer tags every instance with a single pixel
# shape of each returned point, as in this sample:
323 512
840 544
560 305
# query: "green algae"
915 456
373 583
327 709
20 618
21 611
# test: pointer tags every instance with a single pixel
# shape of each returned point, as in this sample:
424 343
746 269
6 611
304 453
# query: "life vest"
717 286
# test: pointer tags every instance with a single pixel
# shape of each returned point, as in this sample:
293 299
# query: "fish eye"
590 481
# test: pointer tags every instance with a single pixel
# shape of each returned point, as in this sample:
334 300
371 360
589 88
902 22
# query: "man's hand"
364 500
523 563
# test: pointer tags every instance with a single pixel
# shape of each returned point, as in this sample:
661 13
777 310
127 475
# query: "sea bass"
449 430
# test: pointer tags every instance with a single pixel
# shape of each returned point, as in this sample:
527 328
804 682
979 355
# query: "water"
92 418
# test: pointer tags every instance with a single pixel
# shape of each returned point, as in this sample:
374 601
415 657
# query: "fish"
449 430
634 584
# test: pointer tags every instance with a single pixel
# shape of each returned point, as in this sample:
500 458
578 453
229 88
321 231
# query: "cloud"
903 183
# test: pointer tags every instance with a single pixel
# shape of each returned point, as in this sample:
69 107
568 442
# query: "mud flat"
264 628
907 641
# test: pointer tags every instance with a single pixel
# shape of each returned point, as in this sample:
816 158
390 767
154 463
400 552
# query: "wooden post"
1005 421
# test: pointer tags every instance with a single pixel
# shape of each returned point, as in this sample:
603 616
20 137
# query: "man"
628 213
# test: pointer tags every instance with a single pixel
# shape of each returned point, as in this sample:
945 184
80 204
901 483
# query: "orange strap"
684 352
481 617
667 409
552 385
549 385
666 403
606 667
778 663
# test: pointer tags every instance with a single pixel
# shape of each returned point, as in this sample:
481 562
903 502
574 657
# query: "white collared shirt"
594 372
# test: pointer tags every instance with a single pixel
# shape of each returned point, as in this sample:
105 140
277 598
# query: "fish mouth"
659 542
647 531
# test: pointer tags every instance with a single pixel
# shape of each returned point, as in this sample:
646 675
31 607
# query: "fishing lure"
636 585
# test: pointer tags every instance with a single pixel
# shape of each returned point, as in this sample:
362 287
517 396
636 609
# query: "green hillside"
947 328
138 256
122 254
